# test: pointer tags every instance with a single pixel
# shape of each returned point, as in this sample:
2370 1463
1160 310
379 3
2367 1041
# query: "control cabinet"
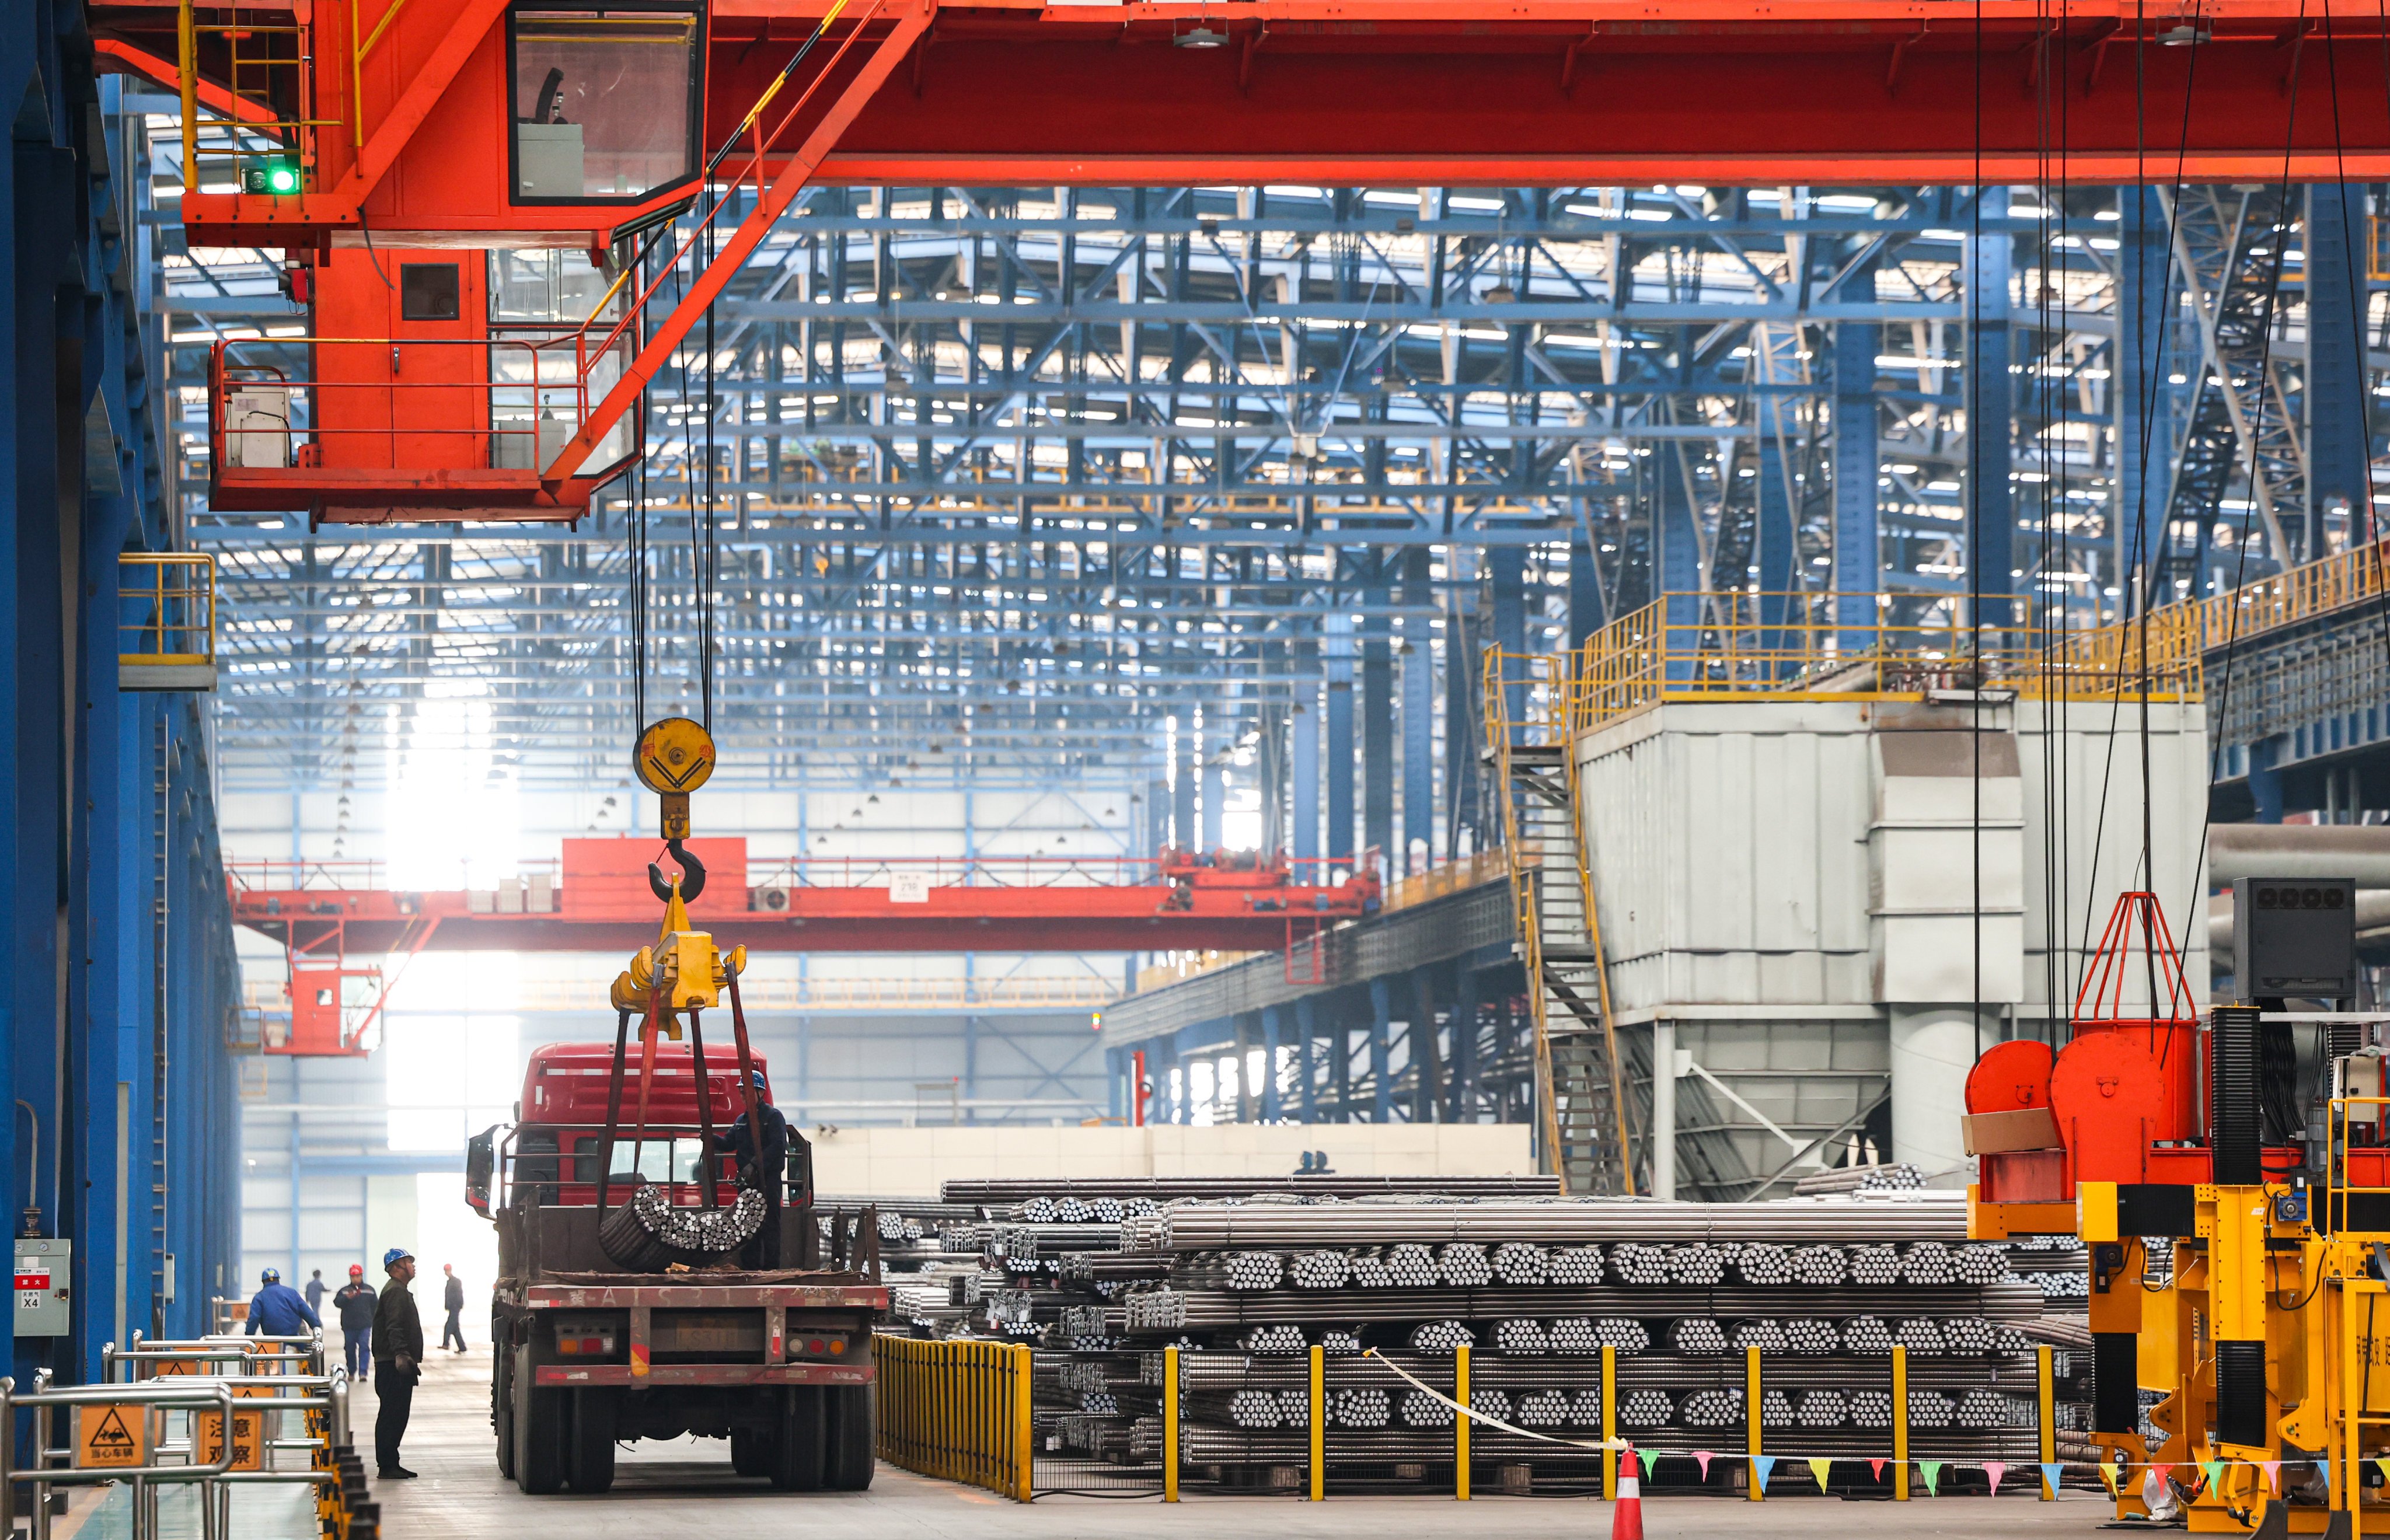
44 1271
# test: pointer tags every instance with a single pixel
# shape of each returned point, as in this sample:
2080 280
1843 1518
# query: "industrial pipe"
2359 851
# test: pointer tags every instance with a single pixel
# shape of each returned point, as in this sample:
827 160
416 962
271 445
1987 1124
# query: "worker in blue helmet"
764 1165
398 1362
279 1309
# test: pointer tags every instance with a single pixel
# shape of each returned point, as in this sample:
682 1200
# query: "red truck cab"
588 1355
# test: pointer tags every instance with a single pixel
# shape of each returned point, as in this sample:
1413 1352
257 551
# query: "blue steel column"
1774 536
1270 1015
2338 465
1381 1019
2143 401
1463 1074
1212 754
1679 544
1305 798
41 189
1378 732
1586 612
1182 790
1338 650
1418 718
1858 558
1996 547
1510 568
1340 1058
1306 1036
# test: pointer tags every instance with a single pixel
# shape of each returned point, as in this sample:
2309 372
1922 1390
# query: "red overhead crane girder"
471 124
600 903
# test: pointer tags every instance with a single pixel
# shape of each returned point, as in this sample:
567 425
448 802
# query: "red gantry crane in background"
393 144
598 899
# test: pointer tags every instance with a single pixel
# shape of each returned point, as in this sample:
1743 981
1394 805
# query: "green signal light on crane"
275 178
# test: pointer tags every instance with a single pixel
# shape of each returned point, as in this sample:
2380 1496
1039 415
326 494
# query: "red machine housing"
2122 1101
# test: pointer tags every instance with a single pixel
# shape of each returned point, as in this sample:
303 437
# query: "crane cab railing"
392 429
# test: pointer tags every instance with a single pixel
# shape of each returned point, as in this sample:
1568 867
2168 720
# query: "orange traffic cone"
1627 1514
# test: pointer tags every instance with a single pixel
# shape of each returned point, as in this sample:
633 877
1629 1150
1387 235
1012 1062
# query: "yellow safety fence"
960 1411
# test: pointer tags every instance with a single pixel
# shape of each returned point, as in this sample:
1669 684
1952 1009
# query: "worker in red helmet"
355 1304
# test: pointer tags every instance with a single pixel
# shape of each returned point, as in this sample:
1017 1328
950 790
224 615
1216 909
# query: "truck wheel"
750 1451
539 1431
848 1457
502 1410
590 1460
797 1441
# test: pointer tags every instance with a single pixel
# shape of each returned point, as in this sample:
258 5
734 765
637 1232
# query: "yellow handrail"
1730 645
176 623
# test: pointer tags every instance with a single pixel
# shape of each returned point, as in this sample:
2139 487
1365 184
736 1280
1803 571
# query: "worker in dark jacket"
356 1304
452 1299
398 1362
278 1311
765 1169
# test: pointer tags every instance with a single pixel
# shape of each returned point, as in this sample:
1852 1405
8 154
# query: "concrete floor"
461 1496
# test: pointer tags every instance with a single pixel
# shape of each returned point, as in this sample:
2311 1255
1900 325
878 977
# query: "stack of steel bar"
1822 1288
996 1192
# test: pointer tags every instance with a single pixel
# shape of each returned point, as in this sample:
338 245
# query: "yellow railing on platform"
166 609
958 1411
1727 645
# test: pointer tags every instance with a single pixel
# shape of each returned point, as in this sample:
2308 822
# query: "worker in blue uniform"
764 1165
279 1310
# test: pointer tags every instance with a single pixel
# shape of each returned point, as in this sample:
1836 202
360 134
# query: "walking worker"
316 1292
355 1304
452 1299
762 1164
398 1362
278 1311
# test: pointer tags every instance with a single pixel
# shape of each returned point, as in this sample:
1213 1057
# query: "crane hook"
692 879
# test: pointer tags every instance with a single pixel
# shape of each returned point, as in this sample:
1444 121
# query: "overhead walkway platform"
1348 1022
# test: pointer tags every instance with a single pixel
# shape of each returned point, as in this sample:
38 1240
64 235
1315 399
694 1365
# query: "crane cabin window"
605 103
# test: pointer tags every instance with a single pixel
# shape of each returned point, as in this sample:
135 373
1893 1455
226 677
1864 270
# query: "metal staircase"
1580 1079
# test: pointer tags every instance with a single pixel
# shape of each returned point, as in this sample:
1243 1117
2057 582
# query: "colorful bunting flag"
2051 1471
1821 1469
2213 1472
1762 1467
1996 1470
1876 1467
1704 1456
2273 1469
1932 1471
2108 1474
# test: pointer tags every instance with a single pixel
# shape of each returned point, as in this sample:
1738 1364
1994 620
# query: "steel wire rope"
2130 583
2359 314
2053 198
1973 514
2279 236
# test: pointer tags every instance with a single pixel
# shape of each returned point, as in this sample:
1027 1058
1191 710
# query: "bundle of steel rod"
1172 1309
649 1232
1162 1190
1042 1242
1877 1178
1269 1223
2013 1373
